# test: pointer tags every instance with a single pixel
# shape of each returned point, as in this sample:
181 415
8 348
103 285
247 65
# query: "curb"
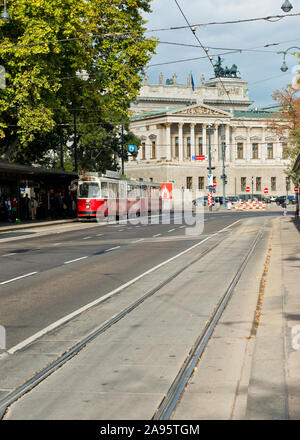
20 226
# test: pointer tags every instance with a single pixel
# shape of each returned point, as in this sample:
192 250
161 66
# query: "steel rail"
32 382
171 399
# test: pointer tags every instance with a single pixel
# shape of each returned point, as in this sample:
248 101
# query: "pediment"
200 110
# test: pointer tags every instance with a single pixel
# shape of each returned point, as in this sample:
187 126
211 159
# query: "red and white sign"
199 157
209 199
248 189
166 191
266 190
215 184
296 189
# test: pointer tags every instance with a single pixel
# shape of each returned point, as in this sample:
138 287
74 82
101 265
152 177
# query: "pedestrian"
26 203
14 206
33 207
8 208
284 208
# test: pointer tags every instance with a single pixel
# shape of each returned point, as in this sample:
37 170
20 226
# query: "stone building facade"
172 123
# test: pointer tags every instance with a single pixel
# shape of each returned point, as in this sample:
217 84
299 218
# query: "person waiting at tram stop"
33 208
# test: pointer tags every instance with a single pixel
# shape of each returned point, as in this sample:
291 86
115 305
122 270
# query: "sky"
260 66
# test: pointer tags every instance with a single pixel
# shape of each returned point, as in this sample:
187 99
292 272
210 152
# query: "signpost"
296 189
266 190
198 157
247 189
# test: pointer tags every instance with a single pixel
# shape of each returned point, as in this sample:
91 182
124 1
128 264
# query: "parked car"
202 201
290 200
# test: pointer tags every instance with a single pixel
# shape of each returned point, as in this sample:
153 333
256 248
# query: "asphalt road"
47 274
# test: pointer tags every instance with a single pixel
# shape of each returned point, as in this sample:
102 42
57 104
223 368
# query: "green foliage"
106 41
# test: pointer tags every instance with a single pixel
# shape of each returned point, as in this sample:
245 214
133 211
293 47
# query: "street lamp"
5 15
210 130
284 67
287 6
223 177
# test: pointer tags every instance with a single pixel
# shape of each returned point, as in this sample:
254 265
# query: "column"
168 141
204 140
278 151
215 144
249 146
180 139
263 146
192 136
233 145
227 140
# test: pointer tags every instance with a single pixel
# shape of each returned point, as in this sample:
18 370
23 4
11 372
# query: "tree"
45 49
289 122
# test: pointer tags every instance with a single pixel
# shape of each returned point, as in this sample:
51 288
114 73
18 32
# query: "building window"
273 183
143 151
285 151
153 149
200 147
177 147
254 151
243 183
189 183
270 151
188 148
201 182
258 183
240 151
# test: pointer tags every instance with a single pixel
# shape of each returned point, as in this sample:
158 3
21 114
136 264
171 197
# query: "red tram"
103 195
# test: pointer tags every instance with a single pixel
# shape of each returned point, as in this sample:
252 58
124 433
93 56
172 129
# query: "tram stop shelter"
45 185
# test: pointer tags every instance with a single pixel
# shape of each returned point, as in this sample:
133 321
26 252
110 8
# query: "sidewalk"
25 224
274 387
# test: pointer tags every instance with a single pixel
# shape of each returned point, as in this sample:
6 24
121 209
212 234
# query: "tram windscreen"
89 190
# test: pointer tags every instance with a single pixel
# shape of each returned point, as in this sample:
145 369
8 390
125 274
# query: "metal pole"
209 159
61 151
122 152
252 188
75 144
223 160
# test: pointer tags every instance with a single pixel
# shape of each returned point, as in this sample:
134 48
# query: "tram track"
176 390
53 366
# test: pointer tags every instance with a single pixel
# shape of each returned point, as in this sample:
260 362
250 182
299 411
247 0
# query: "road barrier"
249 205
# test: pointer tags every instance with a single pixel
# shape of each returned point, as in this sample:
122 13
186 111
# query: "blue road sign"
132 148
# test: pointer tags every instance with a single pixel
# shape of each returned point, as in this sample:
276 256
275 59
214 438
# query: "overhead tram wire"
247 20
193 30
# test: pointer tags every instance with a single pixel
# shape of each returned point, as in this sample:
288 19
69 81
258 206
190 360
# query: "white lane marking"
18 278
86 238
99 235
157 235
56 244
104 297
120 230
111 249
77 259
137 241
8 255
180 227
171 230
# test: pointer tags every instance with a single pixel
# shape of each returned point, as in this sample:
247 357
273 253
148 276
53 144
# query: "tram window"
104 189
89 190
122 191
143 191
113 190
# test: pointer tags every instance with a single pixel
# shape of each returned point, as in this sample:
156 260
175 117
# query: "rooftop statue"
225 72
